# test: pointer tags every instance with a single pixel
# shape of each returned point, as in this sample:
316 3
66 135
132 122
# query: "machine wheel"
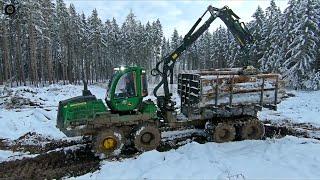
252 129
110 142
146 137
223 133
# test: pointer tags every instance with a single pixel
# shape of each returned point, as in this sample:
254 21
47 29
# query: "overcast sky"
179 14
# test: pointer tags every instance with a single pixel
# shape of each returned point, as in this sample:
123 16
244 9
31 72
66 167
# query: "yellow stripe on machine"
174 56
78 104
240 41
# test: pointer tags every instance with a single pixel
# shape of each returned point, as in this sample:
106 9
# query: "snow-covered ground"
303 108
9 155
289 157
18 121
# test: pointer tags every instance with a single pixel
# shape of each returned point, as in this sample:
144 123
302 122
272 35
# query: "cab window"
126 86
108 93
144 85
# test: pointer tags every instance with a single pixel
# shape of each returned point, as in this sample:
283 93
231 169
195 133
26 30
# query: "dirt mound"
3 144
19 102
13 99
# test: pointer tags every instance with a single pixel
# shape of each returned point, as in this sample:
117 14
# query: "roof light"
116 69
122 68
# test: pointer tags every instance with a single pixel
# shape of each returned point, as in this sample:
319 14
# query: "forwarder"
129 120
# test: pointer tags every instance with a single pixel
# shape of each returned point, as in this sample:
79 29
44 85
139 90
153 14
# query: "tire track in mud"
52 165
303 130
36 144
70 160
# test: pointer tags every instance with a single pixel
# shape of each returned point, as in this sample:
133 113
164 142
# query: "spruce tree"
302 52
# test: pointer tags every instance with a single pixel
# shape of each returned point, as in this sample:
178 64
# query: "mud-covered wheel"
224 133
146 137
109 142
252 129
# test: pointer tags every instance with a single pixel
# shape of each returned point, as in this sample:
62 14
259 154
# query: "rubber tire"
257 127
224 128
140 130
117 135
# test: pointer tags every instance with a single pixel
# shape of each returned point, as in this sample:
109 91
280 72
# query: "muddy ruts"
277 131
68 163
53 165
39 144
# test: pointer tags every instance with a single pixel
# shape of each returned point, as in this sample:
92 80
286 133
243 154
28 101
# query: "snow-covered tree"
302 52
272 58
256 28
128 34
48 42
205 44
95 45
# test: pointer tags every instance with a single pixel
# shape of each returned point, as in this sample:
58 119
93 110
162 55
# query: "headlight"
122 68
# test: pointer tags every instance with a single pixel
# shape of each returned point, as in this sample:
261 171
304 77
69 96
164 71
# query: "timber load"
229 87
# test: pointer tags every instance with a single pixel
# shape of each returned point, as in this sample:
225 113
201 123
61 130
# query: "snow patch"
19 121
303 108
288 158
11 156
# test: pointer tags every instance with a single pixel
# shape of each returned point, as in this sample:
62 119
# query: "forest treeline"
47 42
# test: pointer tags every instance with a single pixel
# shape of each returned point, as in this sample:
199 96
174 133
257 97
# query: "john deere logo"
9 9
124 102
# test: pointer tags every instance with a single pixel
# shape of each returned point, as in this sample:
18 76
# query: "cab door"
126 95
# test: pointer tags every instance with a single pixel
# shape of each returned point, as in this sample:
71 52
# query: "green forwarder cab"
126 115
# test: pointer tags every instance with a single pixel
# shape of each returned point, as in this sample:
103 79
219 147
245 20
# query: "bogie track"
227 130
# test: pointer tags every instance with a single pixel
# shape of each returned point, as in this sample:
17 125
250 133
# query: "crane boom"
231 20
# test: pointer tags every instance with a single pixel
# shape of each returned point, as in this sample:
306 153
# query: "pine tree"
95 44
147 43
72 43
48 10
61 19
256 28
128 31
156 34
35 31
175 42
205 45
5 51
107 37
290 19
303 49
314 82
84 45
115 42
220 39
273 56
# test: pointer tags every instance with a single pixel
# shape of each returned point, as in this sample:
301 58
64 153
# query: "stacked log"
231 86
